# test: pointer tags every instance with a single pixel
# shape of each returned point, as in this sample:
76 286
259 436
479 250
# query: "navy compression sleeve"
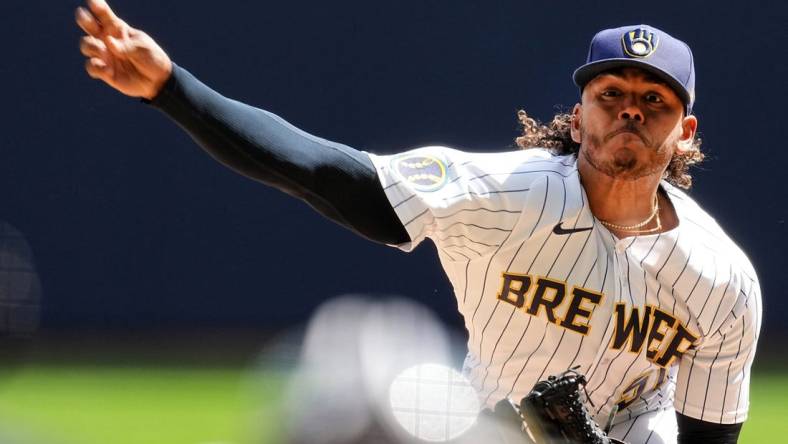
695 431
338 181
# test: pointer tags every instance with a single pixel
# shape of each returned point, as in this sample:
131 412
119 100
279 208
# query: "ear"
689 126
576 113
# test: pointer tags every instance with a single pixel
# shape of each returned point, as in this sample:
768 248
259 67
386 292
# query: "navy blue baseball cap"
644 47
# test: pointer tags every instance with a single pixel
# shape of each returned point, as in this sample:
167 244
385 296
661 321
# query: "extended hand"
125 58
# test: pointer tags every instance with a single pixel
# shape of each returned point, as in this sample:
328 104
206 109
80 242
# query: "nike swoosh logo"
558 229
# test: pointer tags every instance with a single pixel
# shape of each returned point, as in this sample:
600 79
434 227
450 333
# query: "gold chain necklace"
634 228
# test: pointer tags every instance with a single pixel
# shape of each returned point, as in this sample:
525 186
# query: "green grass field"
109 405
78 404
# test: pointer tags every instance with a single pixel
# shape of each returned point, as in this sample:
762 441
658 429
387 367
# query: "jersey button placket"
622 259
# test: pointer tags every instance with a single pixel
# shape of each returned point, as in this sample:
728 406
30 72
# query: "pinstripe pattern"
493 220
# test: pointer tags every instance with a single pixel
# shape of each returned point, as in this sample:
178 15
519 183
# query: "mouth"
628 130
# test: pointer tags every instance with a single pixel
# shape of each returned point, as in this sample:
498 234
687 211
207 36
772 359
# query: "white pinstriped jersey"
655 322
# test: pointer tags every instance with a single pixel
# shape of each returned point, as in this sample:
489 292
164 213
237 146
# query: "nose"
631 111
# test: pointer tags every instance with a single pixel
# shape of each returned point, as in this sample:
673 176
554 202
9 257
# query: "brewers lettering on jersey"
578 251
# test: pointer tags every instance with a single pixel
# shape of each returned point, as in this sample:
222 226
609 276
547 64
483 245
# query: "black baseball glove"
555 414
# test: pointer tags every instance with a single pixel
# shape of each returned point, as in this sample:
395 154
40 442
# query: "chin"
625 155
623 164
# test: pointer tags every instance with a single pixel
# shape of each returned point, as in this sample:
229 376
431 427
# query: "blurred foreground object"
20 294
433 402
362 367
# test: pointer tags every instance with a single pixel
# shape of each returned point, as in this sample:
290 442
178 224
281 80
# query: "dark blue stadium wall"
132 226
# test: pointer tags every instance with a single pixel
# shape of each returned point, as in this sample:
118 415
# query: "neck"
615 200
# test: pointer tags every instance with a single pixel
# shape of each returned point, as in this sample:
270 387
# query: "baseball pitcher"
579 251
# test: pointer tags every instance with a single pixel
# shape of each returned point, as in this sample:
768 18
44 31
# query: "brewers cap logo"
639 42
423 173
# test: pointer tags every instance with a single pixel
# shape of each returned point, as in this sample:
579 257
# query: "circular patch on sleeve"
422 172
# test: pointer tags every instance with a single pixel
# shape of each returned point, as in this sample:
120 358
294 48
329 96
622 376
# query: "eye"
654 98
610 92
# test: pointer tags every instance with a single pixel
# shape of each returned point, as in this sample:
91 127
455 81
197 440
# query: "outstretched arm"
338 181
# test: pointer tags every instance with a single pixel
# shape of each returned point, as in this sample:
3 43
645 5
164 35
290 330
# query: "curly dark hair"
556 137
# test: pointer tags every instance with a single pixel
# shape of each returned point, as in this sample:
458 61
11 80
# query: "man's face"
630 124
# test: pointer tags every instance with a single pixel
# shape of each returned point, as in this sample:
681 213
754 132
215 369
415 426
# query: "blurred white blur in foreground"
346 387
433 402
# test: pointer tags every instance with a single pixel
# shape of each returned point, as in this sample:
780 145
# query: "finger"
87 22
104 14
98 69
117 47
92 47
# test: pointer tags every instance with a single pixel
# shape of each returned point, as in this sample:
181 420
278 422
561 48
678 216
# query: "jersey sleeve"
714 378
466 203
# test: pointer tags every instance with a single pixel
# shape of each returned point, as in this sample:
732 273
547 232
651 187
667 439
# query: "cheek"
596 123
667 148
596 120
666 123
672 137
589 138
